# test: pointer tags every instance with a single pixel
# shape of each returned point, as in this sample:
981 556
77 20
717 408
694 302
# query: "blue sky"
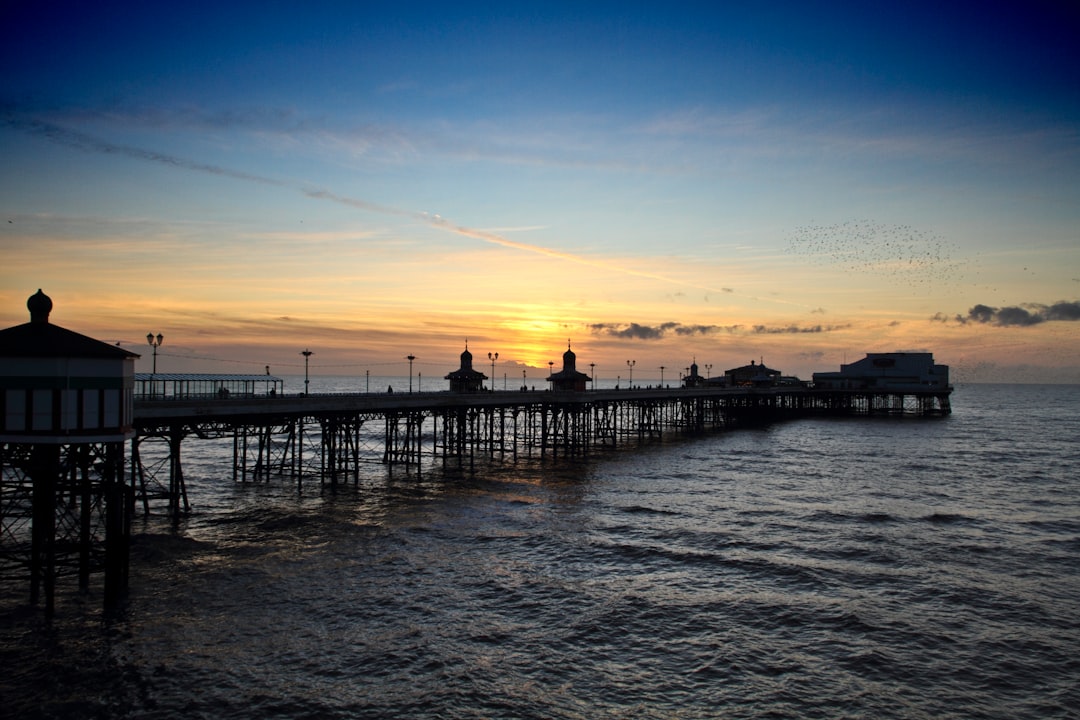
798 181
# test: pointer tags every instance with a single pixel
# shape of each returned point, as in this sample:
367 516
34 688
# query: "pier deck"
328 437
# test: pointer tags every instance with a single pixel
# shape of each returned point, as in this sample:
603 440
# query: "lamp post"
708 370
630 364
493 357
307 356
551 367
661 376
524 381
592 374
410 358
155 342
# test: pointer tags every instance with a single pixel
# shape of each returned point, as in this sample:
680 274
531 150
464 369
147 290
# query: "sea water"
857 567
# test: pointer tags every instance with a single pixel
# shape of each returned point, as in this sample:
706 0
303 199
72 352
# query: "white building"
899 370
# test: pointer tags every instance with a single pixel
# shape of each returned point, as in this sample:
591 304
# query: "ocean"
819 568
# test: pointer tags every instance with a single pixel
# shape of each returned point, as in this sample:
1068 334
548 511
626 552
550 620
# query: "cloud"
700 329
637 331
1023 315
633 331
1063 311
796 330
90 144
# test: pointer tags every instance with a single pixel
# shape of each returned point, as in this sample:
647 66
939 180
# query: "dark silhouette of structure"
465 379
67 409
693 379
752 375
569 378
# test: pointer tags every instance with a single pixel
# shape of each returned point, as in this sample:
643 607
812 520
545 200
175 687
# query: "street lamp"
155 342
524 381
551 367
630 364
410 358
661 376
493 357
592 372
307 355
708 370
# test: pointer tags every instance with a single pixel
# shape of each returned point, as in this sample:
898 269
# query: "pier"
67 506
326 439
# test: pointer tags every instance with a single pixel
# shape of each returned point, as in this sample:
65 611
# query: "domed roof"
569 359
41 339
40 305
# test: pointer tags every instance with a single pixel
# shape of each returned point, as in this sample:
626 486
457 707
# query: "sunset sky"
795 182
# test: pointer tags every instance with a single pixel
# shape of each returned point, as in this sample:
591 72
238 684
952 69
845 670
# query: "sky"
657 183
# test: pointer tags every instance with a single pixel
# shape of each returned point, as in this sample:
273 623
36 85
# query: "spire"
569 359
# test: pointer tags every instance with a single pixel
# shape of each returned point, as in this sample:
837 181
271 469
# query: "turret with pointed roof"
465 379
568 378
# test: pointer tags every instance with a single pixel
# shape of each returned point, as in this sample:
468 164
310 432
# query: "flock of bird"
902 253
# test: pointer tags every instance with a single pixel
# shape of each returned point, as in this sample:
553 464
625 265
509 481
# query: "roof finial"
40 305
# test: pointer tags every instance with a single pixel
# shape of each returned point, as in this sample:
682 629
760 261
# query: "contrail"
442 223
90 144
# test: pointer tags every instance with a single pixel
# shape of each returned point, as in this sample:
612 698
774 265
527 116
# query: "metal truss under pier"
65 510
329 438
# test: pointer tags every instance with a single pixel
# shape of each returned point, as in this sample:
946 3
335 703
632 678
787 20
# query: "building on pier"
67 407
465 379
569 378
752 375
887 370
60 386
692 379
179 386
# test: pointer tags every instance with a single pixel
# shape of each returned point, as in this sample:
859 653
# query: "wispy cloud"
638 331
797 330
88 143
